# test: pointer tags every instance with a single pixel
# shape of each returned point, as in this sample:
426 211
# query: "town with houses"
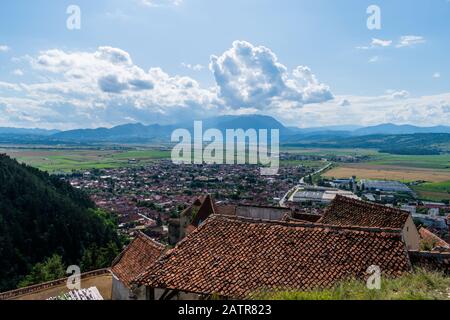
146 197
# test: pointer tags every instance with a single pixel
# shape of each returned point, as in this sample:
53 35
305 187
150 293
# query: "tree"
49 270
95 257
43 215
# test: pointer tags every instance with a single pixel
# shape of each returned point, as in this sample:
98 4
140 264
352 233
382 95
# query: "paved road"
302 183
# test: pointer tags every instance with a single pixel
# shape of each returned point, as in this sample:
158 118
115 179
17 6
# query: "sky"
307 63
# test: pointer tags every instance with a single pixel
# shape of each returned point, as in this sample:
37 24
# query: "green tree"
96 257
51 269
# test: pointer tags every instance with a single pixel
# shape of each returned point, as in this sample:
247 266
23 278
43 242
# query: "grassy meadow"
64 161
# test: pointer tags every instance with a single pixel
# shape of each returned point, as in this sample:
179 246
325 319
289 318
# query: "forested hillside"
407 144
42 217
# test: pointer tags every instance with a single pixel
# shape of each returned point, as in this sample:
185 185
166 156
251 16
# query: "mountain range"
140 133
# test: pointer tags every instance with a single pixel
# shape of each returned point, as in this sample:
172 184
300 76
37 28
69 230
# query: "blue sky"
308 63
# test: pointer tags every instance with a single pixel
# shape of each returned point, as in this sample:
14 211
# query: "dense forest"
46 225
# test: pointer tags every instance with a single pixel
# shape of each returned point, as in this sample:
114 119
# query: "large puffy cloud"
251 77
105 87
111 68
102 88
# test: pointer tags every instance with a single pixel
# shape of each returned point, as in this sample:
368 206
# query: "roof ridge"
312 225
151 240
142 236
265 207
366 203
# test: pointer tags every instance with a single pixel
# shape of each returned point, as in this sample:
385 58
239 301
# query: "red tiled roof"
429 236
138 255
344 211
235 257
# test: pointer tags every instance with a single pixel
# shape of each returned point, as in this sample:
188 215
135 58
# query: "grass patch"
419 285
56 161
426 162
305 163
142 155
434 191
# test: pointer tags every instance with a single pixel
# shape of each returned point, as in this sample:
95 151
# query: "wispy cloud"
437 75
373 110
381 43
195 67
376 43
4 48
18 72
409 41
160 3
404 41
402 94
118 15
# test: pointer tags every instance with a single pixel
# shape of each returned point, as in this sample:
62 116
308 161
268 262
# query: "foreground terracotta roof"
235 258
344 211
429 236
138 255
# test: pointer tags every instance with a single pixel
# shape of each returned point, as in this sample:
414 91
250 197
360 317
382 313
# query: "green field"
330 152
434 191
63 161
427 162
382 166
304 163
56 160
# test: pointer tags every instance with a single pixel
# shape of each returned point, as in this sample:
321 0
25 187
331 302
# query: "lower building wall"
411 235
101 279
121 292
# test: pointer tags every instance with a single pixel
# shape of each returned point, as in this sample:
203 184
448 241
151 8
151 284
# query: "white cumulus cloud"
250 76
